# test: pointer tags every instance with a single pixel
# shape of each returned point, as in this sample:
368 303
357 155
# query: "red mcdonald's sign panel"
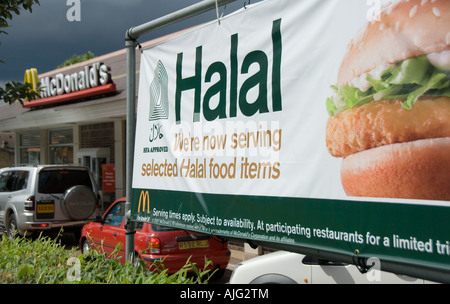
108 178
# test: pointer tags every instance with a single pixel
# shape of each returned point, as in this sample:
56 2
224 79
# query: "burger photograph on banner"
389 117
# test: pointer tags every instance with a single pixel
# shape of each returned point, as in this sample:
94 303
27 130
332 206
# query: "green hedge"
44 261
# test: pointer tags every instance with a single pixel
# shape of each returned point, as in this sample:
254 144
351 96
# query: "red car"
153 242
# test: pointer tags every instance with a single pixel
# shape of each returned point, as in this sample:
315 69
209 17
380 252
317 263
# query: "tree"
76 58
15 90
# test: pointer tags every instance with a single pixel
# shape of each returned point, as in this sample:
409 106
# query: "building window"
29 148
60 146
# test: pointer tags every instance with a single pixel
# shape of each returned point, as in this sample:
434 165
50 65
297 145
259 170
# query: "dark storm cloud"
45 38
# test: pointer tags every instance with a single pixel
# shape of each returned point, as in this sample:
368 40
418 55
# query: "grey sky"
45 38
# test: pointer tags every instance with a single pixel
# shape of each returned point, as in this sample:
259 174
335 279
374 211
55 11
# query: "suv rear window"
58 181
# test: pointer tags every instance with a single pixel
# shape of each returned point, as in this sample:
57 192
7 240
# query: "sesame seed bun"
401 32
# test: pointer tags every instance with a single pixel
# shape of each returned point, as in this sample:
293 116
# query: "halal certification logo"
159 101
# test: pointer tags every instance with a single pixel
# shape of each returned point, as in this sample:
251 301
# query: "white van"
283 267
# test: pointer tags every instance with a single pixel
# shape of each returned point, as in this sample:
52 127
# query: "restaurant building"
79 119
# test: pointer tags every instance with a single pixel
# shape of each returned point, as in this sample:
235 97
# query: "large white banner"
232 131
221 110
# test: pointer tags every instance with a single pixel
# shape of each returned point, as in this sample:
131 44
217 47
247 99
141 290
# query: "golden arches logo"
144 198
31 77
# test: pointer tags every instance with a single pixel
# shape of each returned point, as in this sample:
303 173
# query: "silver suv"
44 197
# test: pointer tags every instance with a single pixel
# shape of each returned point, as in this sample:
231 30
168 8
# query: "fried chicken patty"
386 122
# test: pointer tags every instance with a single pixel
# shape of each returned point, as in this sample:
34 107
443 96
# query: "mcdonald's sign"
31 77
92 81
144 198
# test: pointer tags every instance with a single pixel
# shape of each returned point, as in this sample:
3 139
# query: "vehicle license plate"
46 208
193 244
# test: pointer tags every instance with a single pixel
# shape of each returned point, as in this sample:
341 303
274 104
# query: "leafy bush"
76 58
45 261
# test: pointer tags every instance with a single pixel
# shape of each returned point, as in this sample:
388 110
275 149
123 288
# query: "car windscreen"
59 180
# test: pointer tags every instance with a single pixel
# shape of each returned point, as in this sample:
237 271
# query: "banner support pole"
131 36
130 229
